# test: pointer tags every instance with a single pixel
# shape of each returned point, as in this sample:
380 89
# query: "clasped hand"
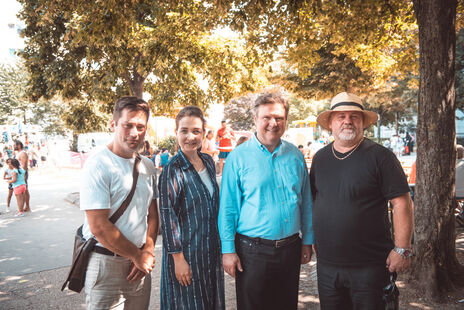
143 264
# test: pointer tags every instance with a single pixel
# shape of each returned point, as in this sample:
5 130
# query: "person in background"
146 150
156 158
164 158
23 159
191 276
18 183
7 175
352 180
208 146
241 140
224 136
265 204
460 183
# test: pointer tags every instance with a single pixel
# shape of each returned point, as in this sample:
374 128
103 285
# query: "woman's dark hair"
15 163
190 111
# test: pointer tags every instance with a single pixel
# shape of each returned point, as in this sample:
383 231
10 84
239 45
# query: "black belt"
275 243
104 251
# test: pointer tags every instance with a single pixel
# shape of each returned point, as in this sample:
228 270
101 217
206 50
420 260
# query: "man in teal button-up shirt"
265 203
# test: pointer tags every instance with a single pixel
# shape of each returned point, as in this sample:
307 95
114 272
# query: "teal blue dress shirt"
265 194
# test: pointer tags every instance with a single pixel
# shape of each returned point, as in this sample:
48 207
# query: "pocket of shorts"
93 273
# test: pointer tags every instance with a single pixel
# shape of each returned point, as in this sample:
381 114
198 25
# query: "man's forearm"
403 220
112 239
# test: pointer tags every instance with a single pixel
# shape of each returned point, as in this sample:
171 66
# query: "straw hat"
346 102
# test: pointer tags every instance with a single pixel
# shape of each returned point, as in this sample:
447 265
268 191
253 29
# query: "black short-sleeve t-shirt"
350 217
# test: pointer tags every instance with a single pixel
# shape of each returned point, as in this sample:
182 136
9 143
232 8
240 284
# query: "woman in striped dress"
191 276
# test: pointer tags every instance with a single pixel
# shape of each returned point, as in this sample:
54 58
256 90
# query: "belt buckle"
280 243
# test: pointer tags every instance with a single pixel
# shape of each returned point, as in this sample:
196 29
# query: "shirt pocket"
292 180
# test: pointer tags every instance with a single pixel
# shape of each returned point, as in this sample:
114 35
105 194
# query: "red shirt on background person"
224 135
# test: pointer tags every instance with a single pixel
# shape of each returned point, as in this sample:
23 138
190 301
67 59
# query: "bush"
169 143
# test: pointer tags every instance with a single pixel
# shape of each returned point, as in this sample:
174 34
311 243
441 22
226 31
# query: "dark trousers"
270 276
351 287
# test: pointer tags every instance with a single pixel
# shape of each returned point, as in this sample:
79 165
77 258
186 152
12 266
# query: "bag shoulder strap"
126 202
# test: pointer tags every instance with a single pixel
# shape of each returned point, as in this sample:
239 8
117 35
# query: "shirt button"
283 202
286 220
278 186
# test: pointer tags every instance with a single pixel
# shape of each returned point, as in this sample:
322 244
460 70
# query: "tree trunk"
136 85
435 265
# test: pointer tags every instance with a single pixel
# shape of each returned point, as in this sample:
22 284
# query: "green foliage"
169 143
329 75
83 116
13 85
299 109
396 101
99 51
374 39
239 112
16 105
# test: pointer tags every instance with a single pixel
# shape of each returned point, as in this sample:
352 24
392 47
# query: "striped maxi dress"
189 223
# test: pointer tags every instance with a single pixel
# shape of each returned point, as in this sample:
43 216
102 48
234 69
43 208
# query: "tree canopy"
373 40
101 50
17 107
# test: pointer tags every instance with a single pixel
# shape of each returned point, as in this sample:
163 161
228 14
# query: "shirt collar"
263 147
184 163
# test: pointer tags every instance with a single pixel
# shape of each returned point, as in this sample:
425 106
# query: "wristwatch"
404 252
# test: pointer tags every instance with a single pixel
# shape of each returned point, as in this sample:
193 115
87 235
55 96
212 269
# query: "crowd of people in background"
401 145
217 146
18 160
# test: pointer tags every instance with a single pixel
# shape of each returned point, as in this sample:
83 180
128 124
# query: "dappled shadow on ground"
412 298
39 291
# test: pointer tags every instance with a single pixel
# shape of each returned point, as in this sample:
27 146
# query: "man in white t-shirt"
119 268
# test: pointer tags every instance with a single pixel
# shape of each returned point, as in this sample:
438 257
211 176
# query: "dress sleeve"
169 191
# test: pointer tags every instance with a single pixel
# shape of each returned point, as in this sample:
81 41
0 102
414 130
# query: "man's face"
347 126
16 147
270 121
129 132
223 125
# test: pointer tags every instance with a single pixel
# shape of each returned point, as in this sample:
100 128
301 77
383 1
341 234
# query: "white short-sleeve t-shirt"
106 182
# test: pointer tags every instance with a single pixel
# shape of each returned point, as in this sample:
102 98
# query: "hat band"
347 103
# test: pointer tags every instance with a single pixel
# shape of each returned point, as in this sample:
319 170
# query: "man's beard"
347 136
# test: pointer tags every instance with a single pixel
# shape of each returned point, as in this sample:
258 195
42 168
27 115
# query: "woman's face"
10 165
190 133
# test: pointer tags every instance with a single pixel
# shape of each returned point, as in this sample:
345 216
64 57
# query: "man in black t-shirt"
352 180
